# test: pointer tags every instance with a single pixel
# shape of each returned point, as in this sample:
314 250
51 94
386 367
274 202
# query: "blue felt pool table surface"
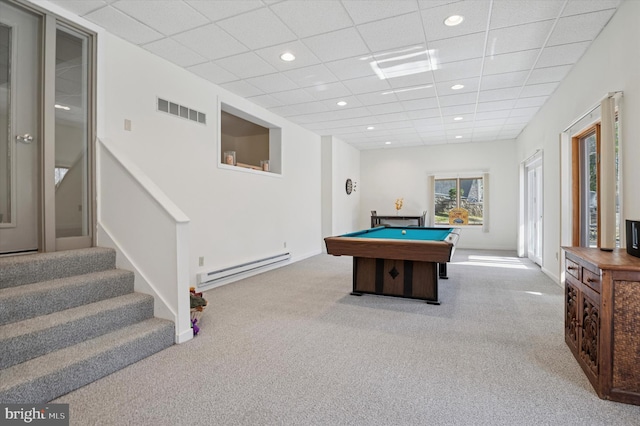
411 233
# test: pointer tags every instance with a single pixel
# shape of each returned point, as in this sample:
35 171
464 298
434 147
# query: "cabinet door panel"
590 333
571 322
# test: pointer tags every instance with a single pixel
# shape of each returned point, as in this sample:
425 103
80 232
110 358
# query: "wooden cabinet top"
616 260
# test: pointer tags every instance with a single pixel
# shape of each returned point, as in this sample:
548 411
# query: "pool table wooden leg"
442 269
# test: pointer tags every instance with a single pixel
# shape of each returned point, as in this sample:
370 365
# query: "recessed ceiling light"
457 86
387 143
458 137
341 103
370 128
288 57
458 118
453 20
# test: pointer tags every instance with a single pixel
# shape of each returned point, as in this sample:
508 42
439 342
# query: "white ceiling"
510 55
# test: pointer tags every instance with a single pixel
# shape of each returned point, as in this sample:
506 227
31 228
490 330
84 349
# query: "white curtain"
607 191
431 190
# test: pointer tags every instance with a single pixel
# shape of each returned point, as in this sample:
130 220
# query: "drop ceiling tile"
311 76
80 7
538 90
420 104
286 111
292 97
310 108
165 16
266 101
467 119
515 39
257 29
458 48
458 70
495 105
374 10
376 98
510 79
584 6
536 101
246 65
174 52
458 109
458 99
123 26
470 85
367 85
200 41
509 13
307 18
562 55
388 118
323 91
524 112
549 75
386 108
336 45
518 120
349 68
491 123
317 117
304 56
271 83
418 114
420 92
221 9
212 72
510 62
491 115
427 123
393 33
352 102
499 94
411 81
476 16
578 28
242 88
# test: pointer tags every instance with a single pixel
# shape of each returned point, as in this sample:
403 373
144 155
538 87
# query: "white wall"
236 215
340 162
389 174
612 63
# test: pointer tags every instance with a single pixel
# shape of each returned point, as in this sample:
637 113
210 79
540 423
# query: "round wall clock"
349 186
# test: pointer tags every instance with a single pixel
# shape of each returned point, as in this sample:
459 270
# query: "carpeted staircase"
69 318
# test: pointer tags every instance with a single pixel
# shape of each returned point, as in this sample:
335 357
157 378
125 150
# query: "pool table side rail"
423 251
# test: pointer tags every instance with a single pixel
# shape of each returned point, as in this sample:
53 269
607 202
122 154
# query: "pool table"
397 261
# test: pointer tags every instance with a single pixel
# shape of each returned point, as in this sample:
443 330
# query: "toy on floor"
198 303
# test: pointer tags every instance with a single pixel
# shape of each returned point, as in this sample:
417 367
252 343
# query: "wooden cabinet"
602 319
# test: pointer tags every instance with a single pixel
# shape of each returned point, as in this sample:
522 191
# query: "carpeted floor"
292 347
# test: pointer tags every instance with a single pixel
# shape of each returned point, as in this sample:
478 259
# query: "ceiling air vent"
181 111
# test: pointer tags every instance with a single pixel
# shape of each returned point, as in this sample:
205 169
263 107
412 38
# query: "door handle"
26 138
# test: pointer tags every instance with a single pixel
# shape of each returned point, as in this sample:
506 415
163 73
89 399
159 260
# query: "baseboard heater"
209 277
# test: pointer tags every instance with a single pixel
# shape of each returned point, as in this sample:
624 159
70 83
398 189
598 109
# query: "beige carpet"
292 347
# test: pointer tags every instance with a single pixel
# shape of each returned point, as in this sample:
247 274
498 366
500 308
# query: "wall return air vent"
181 111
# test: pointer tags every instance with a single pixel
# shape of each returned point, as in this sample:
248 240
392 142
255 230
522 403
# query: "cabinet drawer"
591 279
573 269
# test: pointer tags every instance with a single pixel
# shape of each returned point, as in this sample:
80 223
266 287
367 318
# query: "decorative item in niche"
264 165
398 203
229 157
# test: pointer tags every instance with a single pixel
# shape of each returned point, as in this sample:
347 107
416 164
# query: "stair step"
32 268
25 340
28 301
45 378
